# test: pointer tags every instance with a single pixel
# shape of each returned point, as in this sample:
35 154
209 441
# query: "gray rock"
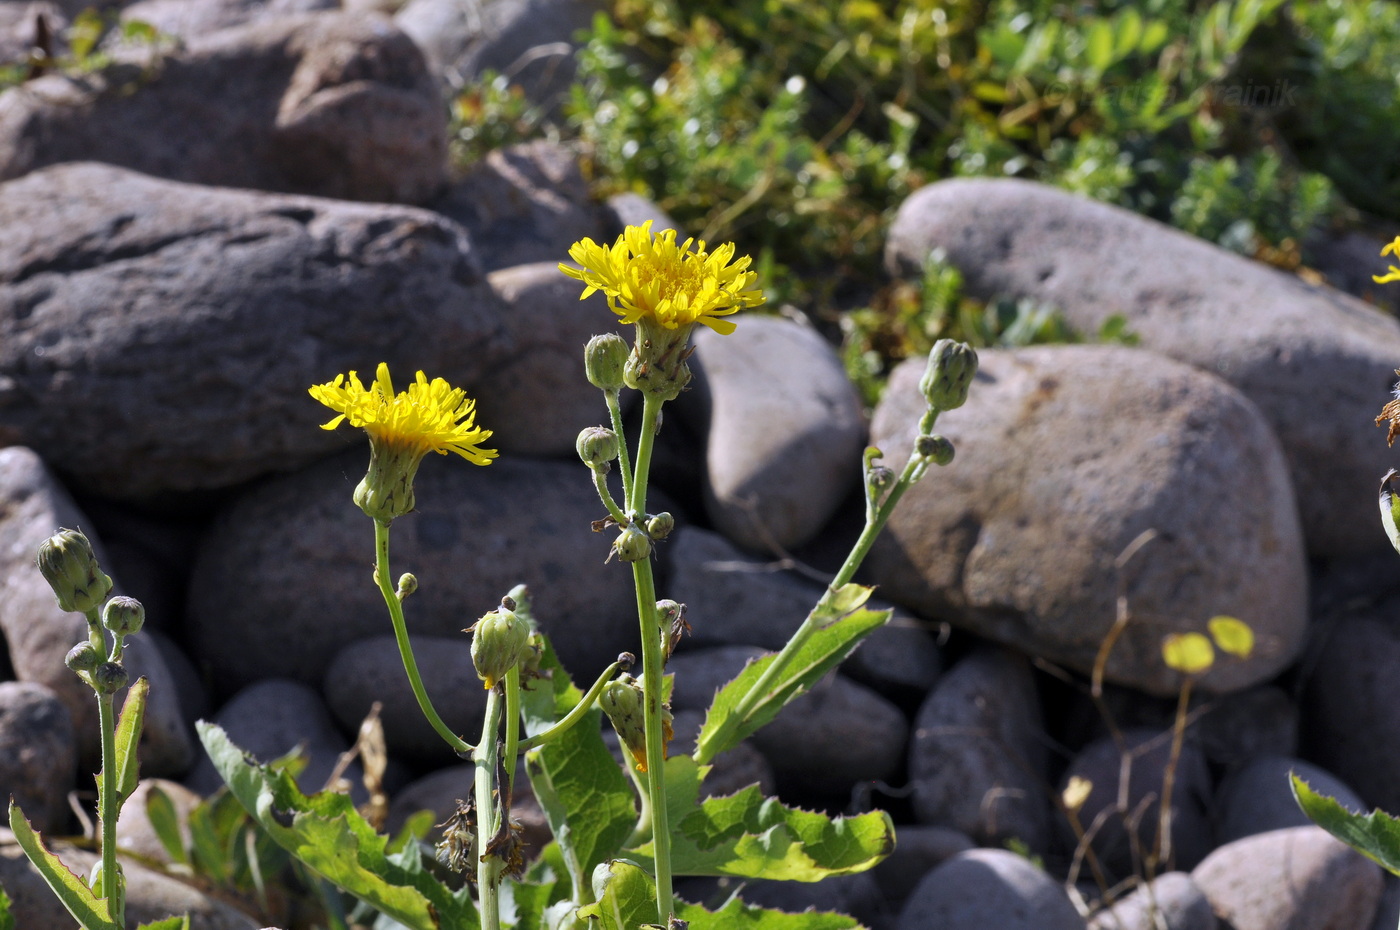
837 734
1015 540
150 895
1258 797
1295 879
191 20
1129 819
785 431
542 398
271 718
1170 902
329 104
630 209
33 506
918 850
531 42
977 759
1237 727
523 204
135 833
20 29
1316 361
1350 714
38 754
1388 911
1349 259
476 534
136 317
370 670
985 888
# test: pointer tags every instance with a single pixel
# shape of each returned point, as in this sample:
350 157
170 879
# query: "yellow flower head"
1394 273
429 416
646 276
403 427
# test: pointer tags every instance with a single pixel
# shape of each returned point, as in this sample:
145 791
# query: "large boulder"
157 336
1065 456
330 104
1317 362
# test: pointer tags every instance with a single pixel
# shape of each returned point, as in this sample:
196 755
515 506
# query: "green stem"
489 868
512 748
415 680
579 711
107 810
600 481
624 464
913 470
653 666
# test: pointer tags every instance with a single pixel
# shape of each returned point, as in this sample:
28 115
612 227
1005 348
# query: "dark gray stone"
1258 797
985 888
38 754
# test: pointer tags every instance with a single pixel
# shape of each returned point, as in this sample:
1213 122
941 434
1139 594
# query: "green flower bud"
500 641
937 448
660 525
68 564
84 657
386 490
110 678
408 583
123 616
597 446
534 652
632 545
951 367
879 478
657 365
624 702
604 359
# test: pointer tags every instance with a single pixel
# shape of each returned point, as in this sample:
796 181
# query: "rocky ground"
187 244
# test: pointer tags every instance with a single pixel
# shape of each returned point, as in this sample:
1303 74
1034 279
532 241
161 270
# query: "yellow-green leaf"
1188 653
1232 635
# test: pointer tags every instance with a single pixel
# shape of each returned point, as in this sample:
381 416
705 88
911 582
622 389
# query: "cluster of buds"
69 565
946 381
638 537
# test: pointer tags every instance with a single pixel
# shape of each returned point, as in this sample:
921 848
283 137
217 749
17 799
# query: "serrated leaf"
749 835
326 833
1232 635
726 726
128 737
165 823
736 915
583 792
87 909
181 922
1375 835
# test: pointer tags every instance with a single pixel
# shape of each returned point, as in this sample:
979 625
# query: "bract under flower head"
431 416
650 276
1394 274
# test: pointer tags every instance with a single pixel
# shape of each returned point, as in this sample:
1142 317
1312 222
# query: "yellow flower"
1394 273
403 427
646 276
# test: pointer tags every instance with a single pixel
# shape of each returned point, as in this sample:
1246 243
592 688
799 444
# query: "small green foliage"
491 114
91 912
87 40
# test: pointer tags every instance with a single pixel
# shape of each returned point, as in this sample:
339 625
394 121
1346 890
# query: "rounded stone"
1171 902
985 888
1258 797
38 754
1016 540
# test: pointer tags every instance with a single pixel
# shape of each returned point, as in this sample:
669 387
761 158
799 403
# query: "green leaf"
181 922
128 738
626 897
7 920
1098 46
1390 509
726 722
1375 835
584 793
752 836
88 910
736 915
326 833
165 823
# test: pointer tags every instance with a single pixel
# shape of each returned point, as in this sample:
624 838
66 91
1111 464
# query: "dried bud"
500 642
123 616
604 358
632 545
110 678
84 657
951 367
69 566
937 448
660 525
597 446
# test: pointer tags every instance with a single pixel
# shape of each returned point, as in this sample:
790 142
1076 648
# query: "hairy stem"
489 868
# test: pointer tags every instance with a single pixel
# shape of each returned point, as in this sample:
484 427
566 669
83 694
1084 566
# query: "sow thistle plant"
1377 834
621 832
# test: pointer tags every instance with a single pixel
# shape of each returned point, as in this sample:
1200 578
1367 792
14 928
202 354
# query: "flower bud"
84 657
500 641
68 564
604 358
597 446
951 367
632 545
533 655
408 583
624 702
879 478
123 616
110 678
660 525
937 448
